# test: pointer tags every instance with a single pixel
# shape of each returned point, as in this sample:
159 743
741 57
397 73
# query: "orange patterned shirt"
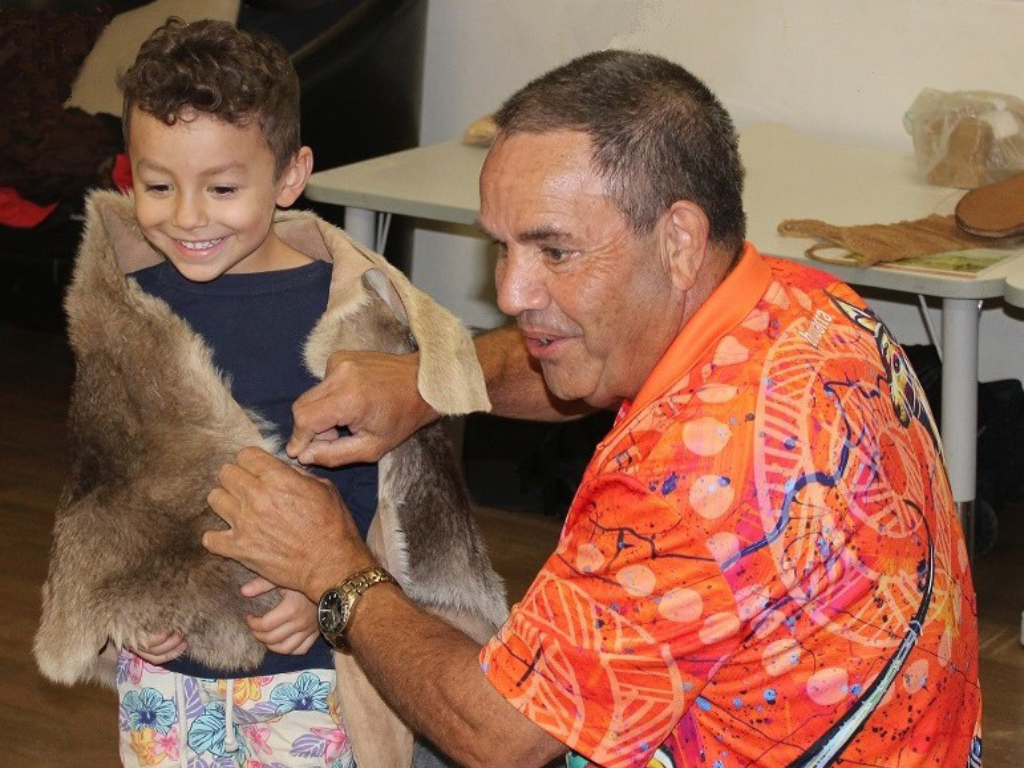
762 565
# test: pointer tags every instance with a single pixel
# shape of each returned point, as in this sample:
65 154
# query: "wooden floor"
44 726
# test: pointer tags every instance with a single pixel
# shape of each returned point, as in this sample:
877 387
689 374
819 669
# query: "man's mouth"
539 344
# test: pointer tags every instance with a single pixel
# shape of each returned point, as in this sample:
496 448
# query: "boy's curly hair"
217 69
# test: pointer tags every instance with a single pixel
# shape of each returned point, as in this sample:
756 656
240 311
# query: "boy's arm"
374 394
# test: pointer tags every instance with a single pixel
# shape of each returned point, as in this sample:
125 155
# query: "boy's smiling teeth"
200 245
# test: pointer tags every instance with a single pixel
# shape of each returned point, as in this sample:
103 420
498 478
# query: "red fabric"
16 211
122 173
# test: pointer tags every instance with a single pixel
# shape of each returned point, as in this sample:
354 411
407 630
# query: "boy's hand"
160 648
290 626
374 394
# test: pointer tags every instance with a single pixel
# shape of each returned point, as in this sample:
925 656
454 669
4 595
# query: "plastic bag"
966 139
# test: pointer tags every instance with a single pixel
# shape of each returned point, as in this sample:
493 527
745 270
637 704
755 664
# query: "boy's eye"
157 187
224 189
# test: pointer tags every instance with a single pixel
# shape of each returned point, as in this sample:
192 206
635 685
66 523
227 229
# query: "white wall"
844 70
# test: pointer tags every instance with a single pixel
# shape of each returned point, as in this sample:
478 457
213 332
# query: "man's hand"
286 525
374 394
160 648
290 626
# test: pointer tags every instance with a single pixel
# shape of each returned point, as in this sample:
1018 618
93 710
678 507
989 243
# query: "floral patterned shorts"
279 721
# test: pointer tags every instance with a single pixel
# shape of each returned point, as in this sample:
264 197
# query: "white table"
789 176
1015 286
438 182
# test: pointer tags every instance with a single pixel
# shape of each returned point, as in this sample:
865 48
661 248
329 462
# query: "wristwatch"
334 612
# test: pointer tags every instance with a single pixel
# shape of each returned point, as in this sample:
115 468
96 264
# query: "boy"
194 313
211 123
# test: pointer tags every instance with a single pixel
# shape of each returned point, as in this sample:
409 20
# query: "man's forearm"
515 383
429 673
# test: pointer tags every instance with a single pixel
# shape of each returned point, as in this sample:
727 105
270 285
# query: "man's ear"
296 174
684 242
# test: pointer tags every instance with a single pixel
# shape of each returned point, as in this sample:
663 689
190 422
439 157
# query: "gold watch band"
338 604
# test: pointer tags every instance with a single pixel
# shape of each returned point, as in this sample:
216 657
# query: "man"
761 566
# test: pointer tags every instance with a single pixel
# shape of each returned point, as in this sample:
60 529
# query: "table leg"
361 225
960 323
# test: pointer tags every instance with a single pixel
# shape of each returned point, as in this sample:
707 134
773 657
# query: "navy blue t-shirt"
256 325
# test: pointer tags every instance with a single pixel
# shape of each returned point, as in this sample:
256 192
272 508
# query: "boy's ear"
294 178
684 242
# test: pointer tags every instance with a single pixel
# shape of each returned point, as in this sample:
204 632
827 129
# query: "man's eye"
554 254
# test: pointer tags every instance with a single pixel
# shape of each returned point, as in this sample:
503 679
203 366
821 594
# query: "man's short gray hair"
659 135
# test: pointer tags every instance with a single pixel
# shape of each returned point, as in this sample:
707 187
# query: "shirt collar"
729 303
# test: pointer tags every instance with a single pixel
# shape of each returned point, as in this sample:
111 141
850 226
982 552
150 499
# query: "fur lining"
152 421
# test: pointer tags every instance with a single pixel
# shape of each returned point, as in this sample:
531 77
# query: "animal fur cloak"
151 423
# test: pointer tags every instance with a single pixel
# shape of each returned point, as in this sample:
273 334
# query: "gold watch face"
332 613
335 607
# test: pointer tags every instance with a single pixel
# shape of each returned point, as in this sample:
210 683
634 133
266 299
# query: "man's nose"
189 211
520 284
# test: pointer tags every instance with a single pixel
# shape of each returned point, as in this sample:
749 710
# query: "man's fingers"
300 441
256 462
350 449
233 479
316 412
224 504
373 394
220 543
297 442
339 400
238 480
327 435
